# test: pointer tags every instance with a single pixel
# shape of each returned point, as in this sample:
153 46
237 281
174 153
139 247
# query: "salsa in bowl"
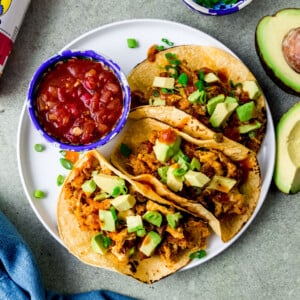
79 100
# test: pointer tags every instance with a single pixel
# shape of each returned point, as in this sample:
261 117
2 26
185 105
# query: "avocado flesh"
287 166
270 33
163 151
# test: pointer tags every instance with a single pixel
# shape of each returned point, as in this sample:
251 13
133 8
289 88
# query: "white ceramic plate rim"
39 170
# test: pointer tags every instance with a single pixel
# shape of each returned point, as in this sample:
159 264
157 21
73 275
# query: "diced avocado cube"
221 113
108 183
134 223
123 202
141 232
212 103
173 182
249 127
162 172
150 242
164 82
89 186
194 97
100 243
122 215
195 178
157 101
173 219
153 217
252 89
164 152
229 99
245 111
101 196
211 77
197 97
107 220
222 184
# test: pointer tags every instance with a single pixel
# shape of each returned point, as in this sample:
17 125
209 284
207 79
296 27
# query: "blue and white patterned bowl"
219 9
47 66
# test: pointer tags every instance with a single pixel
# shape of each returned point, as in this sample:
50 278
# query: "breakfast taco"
109 221
212 178
208 83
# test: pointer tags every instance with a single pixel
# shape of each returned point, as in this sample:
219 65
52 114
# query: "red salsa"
79 101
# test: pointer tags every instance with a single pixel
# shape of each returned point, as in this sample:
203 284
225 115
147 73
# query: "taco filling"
123 223
200 174
187 78
197 175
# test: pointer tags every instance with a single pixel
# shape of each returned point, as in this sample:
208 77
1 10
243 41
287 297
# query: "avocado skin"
266 67
284 169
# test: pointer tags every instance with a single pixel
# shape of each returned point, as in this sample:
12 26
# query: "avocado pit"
291 49
277 42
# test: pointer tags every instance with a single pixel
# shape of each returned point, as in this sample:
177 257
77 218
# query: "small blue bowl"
219 9
49 65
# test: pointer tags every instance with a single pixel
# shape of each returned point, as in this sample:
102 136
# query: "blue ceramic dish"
47 66
218 9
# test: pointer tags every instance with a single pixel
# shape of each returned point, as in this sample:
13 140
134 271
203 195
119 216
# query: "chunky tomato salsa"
79 101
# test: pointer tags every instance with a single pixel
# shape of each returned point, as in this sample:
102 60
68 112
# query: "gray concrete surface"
263 264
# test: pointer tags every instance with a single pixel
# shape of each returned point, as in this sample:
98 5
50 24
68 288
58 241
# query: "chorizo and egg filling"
200 174
125 222
201 81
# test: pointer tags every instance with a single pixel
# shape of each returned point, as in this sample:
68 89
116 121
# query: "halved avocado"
287 166
276 39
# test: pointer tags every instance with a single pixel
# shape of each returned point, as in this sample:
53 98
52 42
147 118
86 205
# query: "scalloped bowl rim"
49 64
216 12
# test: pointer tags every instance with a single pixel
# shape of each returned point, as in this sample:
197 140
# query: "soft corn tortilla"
78 242
198 57
230 224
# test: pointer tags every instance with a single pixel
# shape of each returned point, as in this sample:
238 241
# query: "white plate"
39 170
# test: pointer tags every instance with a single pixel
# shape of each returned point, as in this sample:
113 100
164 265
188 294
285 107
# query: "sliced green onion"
106 241
38 194
160 48
180 155
198 254
202 97
179 172
172 59
132 43
167 42
119 190
60 179
66 163
62 153
167 91
172 71
201 75
212 3
125 150
183 79
200 85
155 93
39 147
114 213
234 85
195 164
